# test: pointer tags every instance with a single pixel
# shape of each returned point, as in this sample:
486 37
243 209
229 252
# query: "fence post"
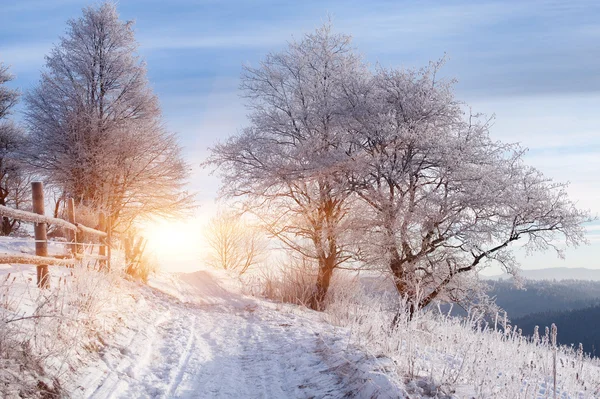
108 240
72 234
102 248
41 243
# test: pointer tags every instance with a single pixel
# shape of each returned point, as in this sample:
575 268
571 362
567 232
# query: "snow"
184 336
196 335
210 342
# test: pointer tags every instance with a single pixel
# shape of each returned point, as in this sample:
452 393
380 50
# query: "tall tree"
8 96
14 179
95 125
439 199
444 200
286 164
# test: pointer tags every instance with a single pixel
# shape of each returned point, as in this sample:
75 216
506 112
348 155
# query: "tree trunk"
7 226
326 266
397 266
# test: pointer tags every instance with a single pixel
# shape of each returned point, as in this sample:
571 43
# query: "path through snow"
194 337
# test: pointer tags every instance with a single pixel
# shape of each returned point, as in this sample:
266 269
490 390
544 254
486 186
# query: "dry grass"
293 282
44 333
437 355
471 356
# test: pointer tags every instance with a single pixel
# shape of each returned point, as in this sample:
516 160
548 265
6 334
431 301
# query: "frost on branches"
385 167
444 200
288 162
233 243
14 181
95 125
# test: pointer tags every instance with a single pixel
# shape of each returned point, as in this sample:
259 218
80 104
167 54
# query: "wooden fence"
41 258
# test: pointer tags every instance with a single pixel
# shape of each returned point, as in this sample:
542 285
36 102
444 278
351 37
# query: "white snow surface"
181 336
98 335
195 336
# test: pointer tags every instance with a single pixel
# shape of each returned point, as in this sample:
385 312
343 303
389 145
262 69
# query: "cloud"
24 56
543 121
37 5
495 48
183 41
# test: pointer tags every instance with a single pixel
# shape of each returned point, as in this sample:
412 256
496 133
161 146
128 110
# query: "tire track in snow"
183 361
144 359
167 359
109 386
228 350
253 357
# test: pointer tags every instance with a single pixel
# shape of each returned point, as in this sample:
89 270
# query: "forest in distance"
573 305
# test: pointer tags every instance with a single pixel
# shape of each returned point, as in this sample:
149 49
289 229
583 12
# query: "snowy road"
224 345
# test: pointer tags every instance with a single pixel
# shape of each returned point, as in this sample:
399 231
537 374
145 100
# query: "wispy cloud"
37 5
211 40
495 48
25 55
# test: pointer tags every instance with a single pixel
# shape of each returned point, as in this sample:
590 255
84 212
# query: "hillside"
544 296
574 327
184 336
200 335
573 305
211 341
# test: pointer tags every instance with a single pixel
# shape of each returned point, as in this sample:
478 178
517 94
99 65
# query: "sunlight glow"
176 245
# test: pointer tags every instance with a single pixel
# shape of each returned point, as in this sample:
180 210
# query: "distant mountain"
554 273
574 327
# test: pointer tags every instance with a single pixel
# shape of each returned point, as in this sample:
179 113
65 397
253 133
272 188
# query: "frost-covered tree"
8 96
14 179
234 244
287 163
338 155
95 126
443 199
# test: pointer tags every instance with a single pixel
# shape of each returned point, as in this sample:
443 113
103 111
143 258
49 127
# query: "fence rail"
36 260
35 218
40 220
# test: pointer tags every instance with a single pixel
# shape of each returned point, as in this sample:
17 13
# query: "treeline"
573 305
545 296
574 326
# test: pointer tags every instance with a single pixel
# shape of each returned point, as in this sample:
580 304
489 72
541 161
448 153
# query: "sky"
534 64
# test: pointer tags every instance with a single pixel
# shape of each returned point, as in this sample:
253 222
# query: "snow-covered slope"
194 336
98 335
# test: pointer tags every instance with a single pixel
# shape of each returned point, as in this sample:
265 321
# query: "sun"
177 246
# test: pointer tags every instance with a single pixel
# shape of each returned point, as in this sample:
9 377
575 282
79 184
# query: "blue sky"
535 64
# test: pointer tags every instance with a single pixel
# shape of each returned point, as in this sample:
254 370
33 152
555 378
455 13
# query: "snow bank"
196 336
441 356
204 287
97 335
47 334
